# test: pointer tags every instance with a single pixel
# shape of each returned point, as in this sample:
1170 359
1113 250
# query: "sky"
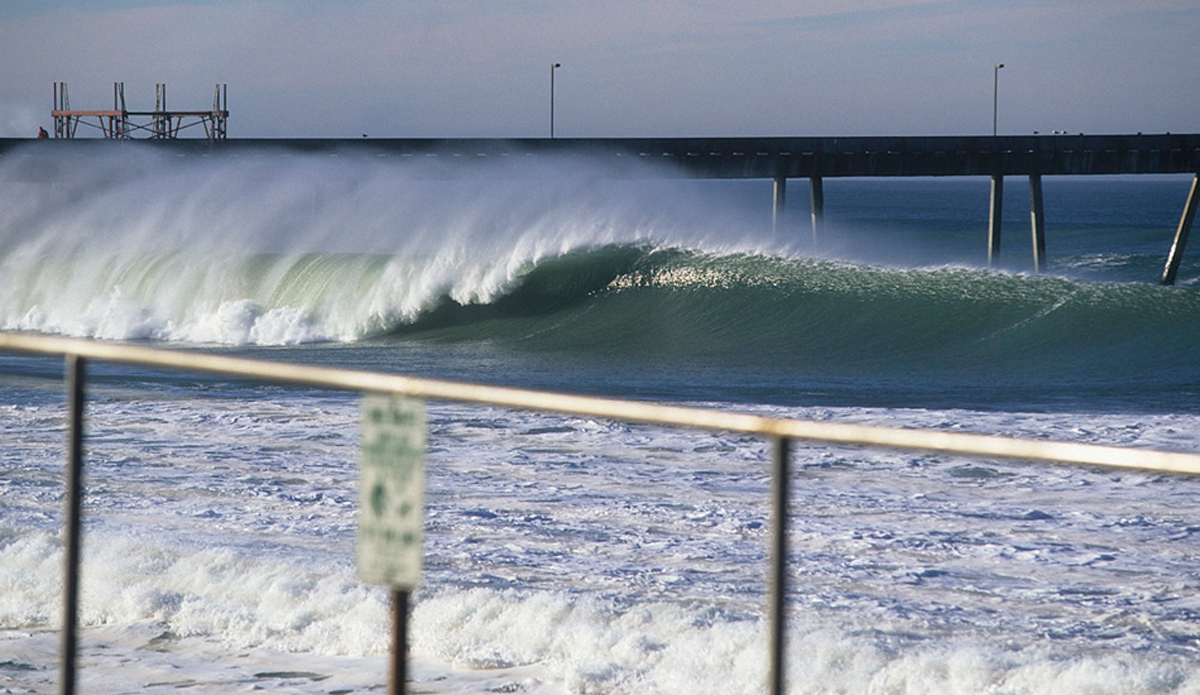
629 68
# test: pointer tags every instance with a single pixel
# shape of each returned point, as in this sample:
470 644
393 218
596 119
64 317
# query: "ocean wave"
819 314
634 299
307 250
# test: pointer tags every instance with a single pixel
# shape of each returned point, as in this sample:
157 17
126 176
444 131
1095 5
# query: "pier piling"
1037 216
779 204
994 217
1181 234
816 188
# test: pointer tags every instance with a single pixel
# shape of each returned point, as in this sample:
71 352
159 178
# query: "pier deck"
762 158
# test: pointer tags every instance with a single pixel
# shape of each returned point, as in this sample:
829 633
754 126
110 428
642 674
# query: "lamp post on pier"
553 67
995 94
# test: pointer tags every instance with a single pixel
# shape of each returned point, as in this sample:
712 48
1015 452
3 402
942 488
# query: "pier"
779 159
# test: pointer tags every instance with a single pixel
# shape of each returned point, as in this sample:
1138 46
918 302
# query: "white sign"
391 495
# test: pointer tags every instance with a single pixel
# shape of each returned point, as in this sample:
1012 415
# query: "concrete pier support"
778 204
1037 215
994 216
816 189
1181 234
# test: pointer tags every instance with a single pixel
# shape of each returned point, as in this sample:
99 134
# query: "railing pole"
398 676
76 374
780 476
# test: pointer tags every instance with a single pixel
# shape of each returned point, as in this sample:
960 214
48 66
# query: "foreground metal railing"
781 431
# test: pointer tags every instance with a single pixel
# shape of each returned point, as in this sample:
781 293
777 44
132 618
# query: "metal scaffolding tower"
121 123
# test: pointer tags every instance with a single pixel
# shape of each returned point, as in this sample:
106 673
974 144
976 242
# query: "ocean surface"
574 555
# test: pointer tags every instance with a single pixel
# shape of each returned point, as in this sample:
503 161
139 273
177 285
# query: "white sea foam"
570 555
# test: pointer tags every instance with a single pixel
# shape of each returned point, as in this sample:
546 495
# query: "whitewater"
573 555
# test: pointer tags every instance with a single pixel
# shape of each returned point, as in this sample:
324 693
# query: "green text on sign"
391 497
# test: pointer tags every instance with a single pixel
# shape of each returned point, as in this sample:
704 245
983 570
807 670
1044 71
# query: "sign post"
391 509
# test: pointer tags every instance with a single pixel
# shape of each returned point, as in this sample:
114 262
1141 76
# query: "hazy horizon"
462 68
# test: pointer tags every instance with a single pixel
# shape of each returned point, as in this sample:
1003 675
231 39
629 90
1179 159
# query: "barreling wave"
617 299
286 250
826 315
303 250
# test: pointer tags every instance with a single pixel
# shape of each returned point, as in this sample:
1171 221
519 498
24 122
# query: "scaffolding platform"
121 123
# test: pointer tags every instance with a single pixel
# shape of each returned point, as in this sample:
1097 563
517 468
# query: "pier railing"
781 431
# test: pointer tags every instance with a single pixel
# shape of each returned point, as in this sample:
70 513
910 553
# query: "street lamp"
553 67
995 94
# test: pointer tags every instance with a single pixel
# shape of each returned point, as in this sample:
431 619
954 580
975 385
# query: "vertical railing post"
398 676
75 376
777 599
